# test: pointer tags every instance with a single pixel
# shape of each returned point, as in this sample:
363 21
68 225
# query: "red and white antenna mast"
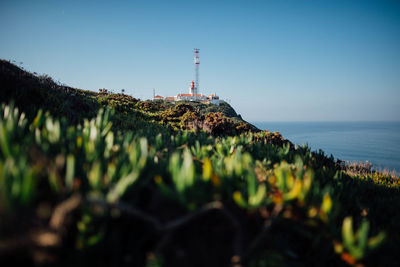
196 70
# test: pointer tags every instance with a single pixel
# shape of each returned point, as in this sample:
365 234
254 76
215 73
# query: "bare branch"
266 227
168 228
192 215
129 210
61 211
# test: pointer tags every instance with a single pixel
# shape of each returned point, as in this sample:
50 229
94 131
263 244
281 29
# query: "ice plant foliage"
267 195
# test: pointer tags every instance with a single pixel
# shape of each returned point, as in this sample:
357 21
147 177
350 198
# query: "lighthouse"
192 89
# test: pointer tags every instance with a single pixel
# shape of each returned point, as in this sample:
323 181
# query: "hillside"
31 92
106 179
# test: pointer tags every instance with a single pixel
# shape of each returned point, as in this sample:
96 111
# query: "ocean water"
376 142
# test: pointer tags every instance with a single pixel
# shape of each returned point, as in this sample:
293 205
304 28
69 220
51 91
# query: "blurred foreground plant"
165 184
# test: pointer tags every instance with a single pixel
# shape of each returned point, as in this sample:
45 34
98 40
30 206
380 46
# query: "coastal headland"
102 178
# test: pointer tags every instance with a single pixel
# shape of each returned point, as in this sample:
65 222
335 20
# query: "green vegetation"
138 183
31 93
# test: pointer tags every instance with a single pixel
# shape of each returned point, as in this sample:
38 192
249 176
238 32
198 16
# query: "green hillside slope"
31 92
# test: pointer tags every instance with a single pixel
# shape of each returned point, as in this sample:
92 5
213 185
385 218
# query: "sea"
375 142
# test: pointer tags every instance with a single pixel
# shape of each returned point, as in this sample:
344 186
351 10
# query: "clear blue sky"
274 60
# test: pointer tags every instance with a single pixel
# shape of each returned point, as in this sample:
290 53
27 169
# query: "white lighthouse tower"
192 89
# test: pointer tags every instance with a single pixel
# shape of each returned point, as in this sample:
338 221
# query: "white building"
158 97
192 96
214 99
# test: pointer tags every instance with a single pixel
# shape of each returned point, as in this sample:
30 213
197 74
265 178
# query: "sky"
271 60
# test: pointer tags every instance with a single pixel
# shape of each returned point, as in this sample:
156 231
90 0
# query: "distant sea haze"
376 142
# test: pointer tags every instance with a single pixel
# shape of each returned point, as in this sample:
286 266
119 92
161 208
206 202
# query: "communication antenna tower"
196 69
